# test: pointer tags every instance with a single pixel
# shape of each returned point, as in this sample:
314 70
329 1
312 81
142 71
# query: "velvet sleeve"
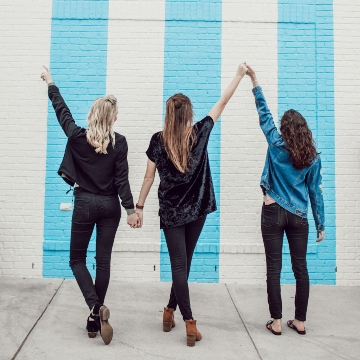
151 151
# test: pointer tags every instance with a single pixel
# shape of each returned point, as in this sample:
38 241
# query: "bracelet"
139 206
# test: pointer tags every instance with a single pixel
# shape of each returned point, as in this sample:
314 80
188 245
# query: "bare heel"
167 326
190 339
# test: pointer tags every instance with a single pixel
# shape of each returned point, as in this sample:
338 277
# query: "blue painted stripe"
306 83
192 65
78 57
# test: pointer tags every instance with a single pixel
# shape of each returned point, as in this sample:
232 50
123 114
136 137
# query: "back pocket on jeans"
270 215
81 210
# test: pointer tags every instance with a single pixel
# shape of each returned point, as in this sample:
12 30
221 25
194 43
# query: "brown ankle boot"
168 319
192 333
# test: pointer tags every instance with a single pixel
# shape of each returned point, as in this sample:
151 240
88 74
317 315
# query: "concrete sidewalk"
46 318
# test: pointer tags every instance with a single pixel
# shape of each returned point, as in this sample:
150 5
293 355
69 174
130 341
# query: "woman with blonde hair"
95 161
186 193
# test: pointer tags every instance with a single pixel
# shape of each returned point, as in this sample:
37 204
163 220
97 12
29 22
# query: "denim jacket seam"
317 215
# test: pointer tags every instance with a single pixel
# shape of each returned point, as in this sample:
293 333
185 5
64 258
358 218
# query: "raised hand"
242 69
250 72
46 75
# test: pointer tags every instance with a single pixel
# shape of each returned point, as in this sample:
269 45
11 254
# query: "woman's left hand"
321 236
46 75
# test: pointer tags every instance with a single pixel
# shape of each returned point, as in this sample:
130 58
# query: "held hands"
133 220
139 213
250 72
242 69
46 75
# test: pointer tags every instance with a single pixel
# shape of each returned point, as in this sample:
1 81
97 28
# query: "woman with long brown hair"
95 161
186 193
292 174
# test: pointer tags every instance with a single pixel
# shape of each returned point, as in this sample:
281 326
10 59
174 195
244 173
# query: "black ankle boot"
92 326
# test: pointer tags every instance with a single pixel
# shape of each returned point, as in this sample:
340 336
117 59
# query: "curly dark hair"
298 139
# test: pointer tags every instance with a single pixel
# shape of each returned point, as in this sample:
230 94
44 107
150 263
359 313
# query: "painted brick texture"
347 106
24 43
122 48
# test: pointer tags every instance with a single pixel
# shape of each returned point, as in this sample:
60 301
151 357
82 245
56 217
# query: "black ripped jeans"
181 242
104 211
275 220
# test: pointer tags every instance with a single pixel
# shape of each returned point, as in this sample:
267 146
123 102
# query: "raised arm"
266 120
63 113
145 188
218 108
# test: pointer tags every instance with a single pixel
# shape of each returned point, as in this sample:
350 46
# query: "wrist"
130 211
139 207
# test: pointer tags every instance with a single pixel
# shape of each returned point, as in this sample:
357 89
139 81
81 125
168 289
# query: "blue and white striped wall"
145 51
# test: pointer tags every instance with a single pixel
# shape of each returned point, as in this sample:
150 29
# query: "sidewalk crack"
22 344
237 310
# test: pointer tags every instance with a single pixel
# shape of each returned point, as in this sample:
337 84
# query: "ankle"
94 312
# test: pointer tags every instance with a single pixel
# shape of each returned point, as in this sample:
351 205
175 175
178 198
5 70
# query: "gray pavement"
46 318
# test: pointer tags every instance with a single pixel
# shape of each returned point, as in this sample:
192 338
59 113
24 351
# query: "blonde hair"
101 120
179 135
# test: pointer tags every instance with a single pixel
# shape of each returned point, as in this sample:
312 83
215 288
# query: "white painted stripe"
135 77
249 33
347 130
25 46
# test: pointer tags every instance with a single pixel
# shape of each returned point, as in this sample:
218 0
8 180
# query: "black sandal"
269 327
291 325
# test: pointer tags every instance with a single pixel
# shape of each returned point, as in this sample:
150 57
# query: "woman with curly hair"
291 175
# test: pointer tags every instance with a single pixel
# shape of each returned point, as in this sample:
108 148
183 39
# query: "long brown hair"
179 135
298 139
100 123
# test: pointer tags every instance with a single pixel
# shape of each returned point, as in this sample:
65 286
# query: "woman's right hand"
250 72
242 69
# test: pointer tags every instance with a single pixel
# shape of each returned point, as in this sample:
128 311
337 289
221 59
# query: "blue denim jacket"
288 186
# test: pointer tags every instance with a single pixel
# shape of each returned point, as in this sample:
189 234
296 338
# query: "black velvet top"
184 197
104 174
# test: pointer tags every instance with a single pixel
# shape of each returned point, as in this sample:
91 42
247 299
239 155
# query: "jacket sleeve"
63 113
122 176
266 120
314 184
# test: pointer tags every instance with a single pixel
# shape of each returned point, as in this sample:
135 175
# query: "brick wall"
347 108
25 45
123 48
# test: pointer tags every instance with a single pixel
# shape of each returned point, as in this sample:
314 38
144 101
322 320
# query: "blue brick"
78 55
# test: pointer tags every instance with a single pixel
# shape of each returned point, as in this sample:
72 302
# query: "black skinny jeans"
274 221
104 211
181 242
